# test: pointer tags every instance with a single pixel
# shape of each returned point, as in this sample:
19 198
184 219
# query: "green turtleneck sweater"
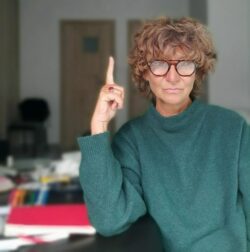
190 172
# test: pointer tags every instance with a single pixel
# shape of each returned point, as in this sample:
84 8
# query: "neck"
172 109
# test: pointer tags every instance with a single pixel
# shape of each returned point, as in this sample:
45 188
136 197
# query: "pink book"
41 219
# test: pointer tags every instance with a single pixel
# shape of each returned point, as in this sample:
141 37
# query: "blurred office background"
57 50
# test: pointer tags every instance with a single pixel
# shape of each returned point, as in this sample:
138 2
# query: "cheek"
150 80
190 83
154 85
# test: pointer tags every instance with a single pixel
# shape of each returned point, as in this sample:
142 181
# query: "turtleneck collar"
176 122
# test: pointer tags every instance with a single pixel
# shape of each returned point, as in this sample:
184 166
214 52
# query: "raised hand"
111 98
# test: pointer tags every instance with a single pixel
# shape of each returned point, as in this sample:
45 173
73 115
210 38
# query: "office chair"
4 150
33 113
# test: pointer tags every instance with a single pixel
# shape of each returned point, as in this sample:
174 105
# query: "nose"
172 76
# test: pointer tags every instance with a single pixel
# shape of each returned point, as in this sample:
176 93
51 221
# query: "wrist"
98 127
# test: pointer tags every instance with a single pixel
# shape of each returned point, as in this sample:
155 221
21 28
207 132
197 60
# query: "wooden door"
85 48
137 103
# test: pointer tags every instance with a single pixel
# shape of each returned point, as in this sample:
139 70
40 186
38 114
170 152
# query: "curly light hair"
156 37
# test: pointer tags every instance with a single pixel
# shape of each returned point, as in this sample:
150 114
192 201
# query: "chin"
173 100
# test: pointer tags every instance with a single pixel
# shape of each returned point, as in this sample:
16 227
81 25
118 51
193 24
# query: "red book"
33 220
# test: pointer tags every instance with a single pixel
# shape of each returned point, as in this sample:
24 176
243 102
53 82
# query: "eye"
159 67
186 67
158 63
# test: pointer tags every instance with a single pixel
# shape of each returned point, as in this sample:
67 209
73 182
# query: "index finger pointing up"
110 71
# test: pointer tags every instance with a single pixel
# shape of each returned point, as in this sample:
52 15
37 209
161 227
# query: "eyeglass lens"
183 68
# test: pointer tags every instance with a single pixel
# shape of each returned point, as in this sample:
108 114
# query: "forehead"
172 53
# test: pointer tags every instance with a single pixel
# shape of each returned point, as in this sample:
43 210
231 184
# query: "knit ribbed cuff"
94 143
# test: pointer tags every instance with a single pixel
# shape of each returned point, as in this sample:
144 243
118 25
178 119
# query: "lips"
172 90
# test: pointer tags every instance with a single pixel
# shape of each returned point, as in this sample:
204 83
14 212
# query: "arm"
111 185
110 99
244 176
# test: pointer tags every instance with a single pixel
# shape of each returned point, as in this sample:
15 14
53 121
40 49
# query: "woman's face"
171 90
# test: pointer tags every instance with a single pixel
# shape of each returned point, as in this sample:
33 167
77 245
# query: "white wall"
39 41
228 21
40 56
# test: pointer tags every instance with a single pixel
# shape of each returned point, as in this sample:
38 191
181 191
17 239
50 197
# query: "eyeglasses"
182 67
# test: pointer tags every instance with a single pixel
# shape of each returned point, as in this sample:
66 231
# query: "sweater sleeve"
110 183
244 176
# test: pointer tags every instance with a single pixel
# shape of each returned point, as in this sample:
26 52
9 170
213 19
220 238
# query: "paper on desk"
4 170
15 243
69 165
6 184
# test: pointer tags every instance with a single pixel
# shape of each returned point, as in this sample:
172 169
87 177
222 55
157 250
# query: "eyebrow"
171 60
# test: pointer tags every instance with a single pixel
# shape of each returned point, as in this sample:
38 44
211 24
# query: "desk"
142 236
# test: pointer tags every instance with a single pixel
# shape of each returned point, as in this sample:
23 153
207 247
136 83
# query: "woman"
184 162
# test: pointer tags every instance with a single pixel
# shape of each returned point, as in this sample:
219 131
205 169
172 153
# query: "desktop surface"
142 236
